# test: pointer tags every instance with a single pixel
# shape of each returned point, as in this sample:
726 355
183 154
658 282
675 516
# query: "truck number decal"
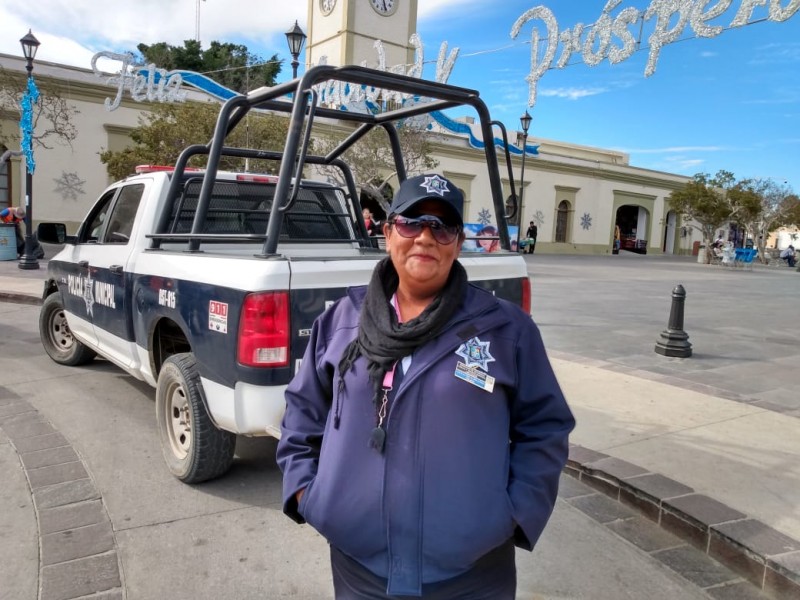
218 316
166 298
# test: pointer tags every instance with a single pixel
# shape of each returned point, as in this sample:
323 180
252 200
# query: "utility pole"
197 22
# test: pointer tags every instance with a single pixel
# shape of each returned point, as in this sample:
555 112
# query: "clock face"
326 6
384 7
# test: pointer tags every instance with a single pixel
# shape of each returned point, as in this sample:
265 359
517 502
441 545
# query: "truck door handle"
116 269
83 264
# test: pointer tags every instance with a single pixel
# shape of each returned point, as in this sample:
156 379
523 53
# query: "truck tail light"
264 330
525 283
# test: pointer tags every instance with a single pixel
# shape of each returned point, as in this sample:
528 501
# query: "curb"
77 546
760 554
20 298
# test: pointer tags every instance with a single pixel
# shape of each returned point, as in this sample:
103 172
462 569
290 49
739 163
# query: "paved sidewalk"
720 472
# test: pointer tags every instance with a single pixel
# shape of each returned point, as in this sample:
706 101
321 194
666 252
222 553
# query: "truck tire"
57 339
194 449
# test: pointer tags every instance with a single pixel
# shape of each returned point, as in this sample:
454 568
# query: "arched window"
562 220
4 182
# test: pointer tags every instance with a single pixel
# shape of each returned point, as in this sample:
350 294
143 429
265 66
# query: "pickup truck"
205 284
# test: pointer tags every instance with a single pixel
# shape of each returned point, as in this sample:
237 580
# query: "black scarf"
381 339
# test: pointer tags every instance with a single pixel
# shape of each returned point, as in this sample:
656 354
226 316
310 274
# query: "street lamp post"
295 37
525 123
29 47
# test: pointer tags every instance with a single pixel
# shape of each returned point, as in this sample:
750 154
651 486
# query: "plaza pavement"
707 447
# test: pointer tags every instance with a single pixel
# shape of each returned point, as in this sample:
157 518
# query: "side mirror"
52 233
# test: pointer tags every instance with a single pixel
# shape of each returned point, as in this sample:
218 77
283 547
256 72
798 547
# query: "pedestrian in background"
788 256
370 222
531 238
425 430
15 215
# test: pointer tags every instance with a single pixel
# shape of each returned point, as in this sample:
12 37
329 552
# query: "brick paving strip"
77 552
766 558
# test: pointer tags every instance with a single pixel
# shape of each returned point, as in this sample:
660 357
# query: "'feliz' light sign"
596 44
145 83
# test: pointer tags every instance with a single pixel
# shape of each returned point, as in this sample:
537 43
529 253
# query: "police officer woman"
425 430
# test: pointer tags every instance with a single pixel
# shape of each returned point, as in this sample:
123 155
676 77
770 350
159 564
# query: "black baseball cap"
428 187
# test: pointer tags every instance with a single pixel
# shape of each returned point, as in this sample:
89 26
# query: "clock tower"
345 31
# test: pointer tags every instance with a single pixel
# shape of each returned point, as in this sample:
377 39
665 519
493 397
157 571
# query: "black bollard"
674 340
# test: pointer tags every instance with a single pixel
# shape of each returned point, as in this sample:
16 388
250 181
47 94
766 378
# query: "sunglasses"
411 228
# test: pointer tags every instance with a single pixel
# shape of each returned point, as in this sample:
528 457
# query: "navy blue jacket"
463 470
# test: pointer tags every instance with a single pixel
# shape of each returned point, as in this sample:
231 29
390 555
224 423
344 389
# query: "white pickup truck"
205 284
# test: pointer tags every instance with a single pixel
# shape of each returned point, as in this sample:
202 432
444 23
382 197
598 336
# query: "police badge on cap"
428 187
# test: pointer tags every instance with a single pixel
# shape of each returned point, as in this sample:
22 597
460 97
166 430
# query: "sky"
729 102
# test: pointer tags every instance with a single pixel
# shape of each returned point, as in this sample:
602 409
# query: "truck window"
120 223
98 218
320 213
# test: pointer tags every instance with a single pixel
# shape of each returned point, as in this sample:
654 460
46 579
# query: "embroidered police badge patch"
435 185
475 353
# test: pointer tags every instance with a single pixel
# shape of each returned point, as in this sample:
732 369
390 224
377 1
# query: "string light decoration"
594 42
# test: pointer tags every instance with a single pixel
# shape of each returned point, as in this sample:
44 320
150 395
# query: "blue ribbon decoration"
29 98
464 129
196 80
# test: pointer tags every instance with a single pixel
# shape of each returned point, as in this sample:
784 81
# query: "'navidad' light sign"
594 42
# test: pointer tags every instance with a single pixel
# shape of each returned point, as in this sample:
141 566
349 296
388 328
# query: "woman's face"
422 264
486 243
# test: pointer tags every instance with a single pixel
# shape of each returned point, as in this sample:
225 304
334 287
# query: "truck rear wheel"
194 449
57 339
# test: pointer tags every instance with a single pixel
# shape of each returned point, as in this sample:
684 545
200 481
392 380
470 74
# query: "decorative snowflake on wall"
484 217
586 221
69 185
538 218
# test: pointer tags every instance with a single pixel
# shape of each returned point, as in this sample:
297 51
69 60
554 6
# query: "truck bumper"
246 409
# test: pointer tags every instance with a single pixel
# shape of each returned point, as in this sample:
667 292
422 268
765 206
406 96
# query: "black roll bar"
304 109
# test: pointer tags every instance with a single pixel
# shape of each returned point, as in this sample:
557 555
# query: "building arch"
562 223
633 213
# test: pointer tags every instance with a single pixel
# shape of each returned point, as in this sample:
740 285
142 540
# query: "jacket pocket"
303 506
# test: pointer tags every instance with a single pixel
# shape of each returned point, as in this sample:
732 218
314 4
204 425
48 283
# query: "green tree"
372 162
231 65
768 206
53 117
169 128
703 203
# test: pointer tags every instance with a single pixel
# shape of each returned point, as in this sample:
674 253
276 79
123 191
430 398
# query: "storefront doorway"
632 223
670 231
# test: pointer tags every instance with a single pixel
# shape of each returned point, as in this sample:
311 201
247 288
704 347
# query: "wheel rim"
60 334
179 424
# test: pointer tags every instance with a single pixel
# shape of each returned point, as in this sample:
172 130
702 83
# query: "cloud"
119 26
431 8
676 164
782 53
572 93
680 163
781 97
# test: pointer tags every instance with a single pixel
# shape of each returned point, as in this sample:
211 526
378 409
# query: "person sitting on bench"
788 256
